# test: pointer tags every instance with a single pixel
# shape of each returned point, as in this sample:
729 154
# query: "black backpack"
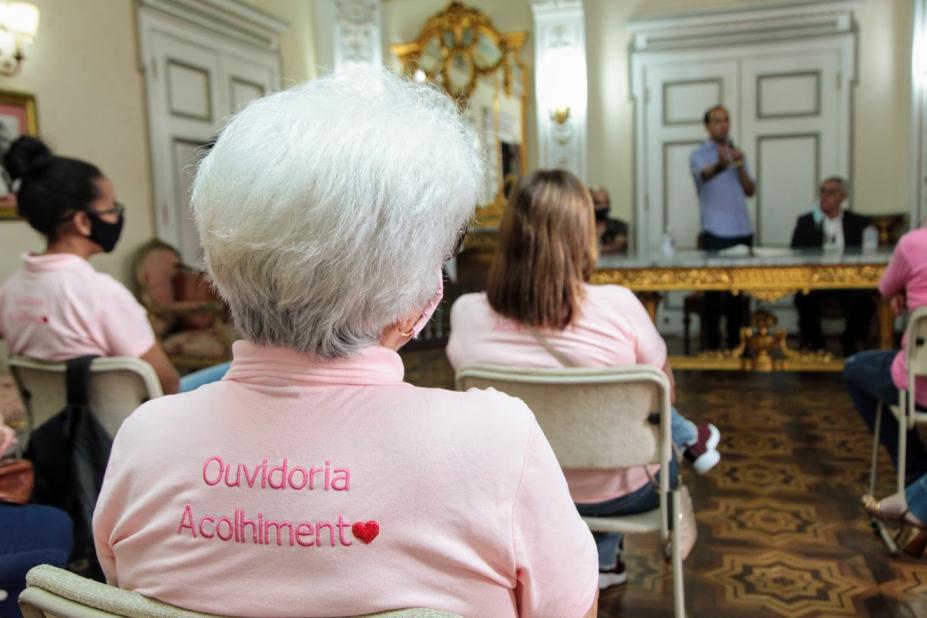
70 452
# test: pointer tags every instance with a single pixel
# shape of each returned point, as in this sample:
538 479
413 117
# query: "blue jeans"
646 498
683 429
209 375
30 534
868 378
916 495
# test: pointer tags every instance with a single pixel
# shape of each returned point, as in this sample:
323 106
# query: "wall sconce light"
19 23
560 114
562 91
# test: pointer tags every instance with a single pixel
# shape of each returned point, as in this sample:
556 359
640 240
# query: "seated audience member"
57 307
30 535
312 458
907 509
611 233
830 227
876 375
538 288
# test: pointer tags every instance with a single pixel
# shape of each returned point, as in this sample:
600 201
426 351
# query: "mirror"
481 68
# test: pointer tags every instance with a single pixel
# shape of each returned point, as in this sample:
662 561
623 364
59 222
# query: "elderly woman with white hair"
311 480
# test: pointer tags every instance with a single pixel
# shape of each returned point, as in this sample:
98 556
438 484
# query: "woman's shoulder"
916 238
470 301
611 295
470 308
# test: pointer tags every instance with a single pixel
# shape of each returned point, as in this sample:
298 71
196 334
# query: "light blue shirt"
722 202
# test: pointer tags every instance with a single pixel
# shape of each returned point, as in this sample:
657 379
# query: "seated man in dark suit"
612 233
831 227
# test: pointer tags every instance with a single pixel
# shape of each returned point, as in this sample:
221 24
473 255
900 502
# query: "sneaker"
614 576
702 452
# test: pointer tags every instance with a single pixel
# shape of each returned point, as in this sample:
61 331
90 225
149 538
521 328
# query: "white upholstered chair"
601 418
905 412
56 593
118 385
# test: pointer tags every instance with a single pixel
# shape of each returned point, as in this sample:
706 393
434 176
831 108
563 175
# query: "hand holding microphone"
733 154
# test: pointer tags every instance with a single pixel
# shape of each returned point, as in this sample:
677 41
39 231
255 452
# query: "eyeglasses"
459 243
118 209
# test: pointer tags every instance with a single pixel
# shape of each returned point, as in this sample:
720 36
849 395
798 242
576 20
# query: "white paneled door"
195 78
790 124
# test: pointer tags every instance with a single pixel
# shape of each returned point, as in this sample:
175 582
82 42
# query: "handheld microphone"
730 144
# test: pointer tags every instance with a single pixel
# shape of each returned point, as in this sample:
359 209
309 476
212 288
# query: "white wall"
297 42
90 96
882 113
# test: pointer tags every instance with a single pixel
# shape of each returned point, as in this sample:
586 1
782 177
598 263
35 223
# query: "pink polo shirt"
612 330
907 272
296 487
58 307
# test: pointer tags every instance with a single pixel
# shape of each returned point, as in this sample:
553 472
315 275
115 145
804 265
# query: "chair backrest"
56 593
916 361
118 385
599 418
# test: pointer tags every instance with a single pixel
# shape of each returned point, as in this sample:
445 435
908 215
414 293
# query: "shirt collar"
278 366
43 262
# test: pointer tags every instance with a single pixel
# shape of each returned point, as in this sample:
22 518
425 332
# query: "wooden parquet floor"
781 529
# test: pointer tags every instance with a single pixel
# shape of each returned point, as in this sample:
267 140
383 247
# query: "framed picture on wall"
18 116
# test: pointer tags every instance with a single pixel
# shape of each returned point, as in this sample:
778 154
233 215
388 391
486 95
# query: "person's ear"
398 334
80 220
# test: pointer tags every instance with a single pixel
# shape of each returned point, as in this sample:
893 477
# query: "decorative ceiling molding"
540 7
226 17
748 22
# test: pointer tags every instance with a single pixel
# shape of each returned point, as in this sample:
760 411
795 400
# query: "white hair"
841 183
326 210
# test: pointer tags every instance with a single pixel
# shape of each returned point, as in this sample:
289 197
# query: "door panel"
790 119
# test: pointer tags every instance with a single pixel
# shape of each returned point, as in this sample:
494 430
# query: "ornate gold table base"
765 351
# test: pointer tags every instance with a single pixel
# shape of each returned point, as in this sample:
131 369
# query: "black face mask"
104 233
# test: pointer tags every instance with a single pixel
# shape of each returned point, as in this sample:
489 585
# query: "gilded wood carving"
460 50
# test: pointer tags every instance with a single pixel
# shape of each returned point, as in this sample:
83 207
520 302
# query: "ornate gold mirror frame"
481 68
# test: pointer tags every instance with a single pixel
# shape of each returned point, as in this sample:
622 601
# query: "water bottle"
870 239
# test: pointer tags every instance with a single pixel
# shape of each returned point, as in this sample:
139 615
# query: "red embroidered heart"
366 531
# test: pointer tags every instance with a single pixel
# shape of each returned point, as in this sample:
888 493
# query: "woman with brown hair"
538 292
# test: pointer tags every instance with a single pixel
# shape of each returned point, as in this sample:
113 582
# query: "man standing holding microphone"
723 182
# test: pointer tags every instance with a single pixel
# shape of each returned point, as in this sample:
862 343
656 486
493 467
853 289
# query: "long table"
767 274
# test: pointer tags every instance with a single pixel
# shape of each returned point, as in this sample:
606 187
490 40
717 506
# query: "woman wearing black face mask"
57 306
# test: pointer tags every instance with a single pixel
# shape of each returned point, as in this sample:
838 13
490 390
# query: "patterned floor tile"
789 584
758 476
758 444
768 522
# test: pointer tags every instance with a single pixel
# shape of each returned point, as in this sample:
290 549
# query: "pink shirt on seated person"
612 330
907 272
296 487
58 307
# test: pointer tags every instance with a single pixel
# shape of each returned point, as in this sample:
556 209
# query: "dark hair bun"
26 154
